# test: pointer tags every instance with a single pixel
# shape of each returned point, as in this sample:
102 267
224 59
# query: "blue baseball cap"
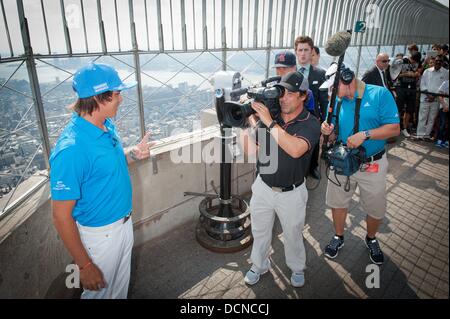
97 78
285 59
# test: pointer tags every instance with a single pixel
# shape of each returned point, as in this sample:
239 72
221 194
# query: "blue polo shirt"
88 165
378 108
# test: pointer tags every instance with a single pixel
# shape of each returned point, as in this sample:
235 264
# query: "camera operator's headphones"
347 75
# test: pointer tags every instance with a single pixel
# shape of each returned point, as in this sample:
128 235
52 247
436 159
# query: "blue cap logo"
97 78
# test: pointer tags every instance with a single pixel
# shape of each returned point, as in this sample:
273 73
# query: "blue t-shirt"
88 165
378 108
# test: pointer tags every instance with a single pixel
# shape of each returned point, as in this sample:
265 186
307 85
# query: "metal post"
269 37
102 27
7 29
294 19
45 27
137 64
117 22
204 29
283 9
66 29
240 32
224 39
34 82
84 27
160 26
255 25
358 60
183 27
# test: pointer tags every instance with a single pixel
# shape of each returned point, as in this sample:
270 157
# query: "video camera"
235 114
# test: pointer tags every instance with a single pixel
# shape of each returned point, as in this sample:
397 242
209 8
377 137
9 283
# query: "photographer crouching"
282 190
366 115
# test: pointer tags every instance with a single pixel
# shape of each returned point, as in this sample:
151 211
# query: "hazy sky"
444 2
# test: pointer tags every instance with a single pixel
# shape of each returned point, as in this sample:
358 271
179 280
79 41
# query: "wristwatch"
367 135
271 125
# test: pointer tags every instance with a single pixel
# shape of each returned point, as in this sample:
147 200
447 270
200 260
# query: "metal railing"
138 35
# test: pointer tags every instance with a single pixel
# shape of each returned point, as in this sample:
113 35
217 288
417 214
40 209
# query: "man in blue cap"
285 62
91 187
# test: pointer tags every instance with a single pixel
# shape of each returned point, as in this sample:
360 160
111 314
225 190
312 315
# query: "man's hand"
142 150
356 140
326 128
263 113
430 98
253 120
91 278
445 109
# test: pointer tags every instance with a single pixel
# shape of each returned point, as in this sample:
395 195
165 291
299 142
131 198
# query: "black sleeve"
309 131
323 96
365 78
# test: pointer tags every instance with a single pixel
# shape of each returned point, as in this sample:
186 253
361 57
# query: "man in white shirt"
431 80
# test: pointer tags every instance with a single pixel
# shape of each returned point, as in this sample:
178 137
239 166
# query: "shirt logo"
60 187
367 104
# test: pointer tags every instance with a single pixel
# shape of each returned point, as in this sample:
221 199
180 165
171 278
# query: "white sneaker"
405 133
252 276
298 279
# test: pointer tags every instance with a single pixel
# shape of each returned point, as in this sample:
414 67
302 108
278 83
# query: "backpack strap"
338 110
360 87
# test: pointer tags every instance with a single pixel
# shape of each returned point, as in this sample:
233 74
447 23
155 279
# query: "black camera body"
235 114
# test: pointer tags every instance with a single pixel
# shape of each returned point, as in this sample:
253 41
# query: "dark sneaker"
332 249
375 253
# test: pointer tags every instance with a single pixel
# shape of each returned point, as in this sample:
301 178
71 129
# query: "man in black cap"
286 143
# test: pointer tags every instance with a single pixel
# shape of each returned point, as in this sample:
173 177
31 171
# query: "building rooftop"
414 238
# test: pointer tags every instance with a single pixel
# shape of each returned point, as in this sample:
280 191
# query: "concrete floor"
414 238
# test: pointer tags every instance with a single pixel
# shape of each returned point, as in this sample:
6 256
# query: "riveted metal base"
224 228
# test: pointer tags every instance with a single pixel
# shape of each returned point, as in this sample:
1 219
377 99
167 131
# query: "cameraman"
295 132
378 121
406 92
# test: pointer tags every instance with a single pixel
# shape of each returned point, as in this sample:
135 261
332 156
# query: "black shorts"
406 99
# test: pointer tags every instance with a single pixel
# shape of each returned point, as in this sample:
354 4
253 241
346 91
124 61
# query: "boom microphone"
338 43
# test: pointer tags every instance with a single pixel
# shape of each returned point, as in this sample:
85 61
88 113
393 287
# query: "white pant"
110 249
427 114
290 208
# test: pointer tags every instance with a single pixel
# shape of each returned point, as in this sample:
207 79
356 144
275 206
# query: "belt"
284 189
375 157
